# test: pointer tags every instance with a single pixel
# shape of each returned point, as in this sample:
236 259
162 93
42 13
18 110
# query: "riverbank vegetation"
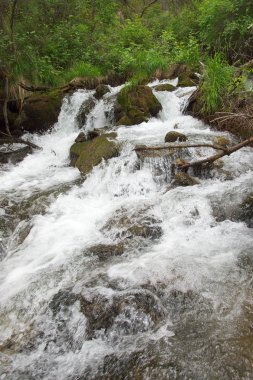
50 42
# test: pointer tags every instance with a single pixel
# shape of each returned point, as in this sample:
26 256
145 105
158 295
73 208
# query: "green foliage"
218 82
55 40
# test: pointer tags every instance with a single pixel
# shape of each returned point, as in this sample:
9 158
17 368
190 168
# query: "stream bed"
117 275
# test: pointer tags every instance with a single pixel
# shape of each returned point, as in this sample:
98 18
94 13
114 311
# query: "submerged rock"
104 251
86 155
135 105
127 312
222 141
183 179
84 110
174 136
245 211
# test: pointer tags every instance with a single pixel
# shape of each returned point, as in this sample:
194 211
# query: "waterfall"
172 298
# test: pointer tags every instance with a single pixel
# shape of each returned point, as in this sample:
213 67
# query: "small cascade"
118 275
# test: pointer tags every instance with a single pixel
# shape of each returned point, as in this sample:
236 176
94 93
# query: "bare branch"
17 140
215 157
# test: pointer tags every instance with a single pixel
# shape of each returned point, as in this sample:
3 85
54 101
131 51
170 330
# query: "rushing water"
176 305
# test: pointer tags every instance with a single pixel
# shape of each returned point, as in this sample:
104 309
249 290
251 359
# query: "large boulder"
86 155
101 90
39 112
135 105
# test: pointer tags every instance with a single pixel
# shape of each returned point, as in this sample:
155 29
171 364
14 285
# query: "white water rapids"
179 306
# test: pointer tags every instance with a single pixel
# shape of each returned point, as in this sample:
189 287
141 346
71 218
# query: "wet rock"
62 300
127 312
244 212
183 179
135 105
104 251
165 87
127 227
245 260
92 134
86 155
39 112
101 90
173 136
14 156
83 112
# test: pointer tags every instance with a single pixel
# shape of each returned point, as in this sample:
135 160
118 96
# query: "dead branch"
33 88
215 157
230 115
177 146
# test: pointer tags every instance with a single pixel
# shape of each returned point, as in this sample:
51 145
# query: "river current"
177 304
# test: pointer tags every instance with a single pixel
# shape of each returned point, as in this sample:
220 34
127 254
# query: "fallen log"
177 146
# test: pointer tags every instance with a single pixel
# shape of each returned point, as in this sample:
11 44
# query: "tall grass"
218 81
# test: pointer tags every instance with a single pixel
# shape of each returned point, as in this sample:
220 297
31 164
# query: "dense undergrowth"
52 41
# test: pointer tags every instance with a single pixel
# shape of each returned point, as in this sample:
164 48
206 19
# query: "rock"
104 251
86 155
83 112
245 211
128 227
173 136
101 90
15 156
165 87
183 179
39 112
245 260
124 311
135 105
186 76
222 141
81 138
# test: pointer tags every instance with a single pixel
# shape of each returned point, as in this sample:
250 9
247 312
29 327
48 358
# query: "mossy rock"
86 155
165 87
40 112
135 105
173 136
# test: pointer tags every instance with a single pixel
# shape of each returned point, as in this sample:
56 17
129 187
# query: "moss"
165 87
86 155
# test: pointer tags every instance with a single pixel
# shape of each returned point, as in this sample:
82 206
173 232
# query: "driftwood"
224 151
